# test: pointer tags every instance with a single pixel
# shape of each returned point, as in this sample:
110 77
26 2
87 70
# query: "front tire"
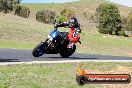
38 50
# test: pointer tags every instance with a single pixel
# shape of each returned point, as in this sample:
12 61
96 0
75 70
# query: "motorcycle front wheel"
38 50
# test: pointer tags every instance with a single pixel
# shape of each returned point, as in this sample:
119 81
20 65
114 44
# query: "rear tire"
64 54
67 52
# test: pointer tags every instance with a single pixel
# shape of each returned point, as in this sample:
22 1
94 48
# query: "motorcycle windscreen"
54 34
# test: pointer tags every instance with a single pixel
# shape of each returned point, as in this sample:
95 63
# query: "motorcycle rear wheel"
67 52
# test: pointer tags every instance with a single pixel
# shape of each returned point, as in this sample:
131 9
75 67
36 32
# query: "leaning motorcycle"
55 43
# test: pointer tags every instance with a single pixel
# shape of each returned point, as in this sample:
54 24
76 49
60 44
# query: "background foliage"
45 16
7 6
109 19
65 14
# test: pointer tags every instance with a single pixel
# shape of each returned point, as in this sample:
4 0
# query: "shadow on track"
9 60
70 58
75 58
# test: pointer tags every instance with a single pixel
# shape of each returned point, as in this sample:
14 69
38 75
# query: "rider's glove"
56 25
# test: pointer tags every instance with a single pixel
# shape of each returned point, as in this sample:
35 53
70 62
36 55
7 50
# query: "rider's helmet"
73 22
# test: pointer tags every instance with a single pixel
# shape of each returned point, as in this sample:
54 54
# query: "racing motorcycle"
55 43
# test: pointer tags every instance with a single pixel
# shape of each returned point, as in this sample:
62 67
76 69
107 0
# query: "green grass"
17 32
105 44
51 75
15 44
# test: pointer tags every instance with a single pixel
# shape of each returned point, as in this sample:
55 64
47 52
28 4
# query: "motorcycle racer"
73 35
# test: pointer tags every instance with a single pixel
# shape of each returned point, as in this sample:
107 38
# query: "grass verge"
58 75
96 43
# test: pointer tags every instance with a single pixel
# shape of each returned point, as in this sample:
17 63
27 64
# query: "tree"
108 18
128 25
22 11
45 16
67 13
8 5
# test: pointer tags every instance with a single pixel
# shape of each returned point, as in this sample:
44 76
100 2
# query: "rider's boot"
70 45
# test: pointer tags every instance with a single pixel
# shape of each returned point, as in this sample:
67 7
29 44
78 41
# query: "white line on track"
64 61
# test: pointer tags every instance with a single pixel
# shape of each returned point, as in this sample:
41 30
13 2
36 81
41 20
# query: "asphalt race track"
24 55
